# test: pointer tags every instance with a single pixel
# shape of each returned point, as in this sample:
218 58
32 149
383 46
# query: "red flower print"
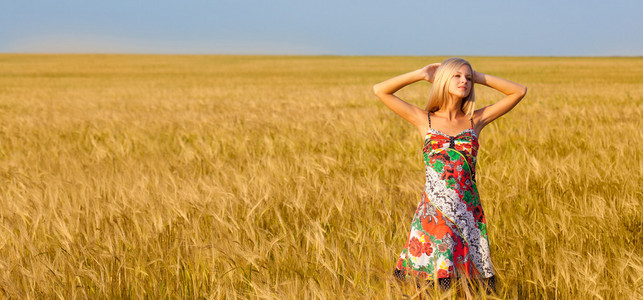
435 226
427 248
400 264
442 273
415 247
442 247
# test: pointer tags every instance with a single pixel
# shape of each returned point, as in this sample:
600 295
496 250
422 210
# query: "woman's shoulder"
423 124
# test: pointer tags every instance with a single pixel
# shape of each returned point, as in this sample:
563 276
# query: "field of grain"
274 177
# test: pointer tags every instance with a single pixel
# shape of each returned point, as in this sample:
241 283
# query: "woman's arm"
385 91
514 93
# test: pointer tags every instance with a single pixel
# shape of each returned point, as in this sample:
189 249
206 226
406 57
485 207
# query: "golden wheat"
284 178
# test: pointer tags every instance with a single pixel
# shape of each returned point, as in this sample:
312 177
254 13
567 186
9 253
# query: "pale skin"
450 119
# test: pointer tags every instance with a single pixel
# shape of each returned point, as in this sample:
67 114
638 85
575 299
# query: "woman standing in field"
448 237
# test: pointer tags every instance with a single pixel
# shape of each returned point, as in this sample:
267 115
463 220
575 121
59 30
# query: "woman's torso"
464 143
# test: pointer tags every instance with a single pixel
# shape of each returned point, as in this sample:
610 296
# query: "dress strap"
471 122
429 115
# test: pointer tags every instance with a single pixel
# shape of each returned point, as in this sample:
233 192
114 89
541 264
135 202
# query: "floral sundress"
448 235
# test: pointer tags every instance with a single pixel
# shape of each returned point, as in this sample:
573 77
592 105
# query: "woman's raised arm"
385 91
514 93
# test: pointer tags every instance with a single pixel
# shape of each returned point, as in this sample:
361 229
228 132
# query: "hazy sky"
336 27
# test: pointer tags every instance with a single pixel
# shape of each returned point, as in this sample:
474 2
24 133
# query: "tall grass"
283 177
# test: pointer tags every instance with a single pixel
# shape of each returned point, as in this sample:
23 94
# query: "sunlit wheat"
285 178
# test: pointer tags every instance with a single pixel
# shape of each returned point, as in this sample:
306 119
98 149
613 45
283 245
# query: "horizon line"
317 55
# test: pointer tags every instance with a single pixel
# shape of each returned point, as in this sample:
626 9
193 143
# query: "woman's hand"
479 78
429 72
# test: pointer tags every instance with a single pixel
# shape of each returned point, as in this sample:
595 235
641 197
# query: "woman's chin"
459 95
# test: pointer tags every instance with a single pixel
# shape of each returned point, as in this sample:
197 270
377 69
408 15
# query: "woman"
448 237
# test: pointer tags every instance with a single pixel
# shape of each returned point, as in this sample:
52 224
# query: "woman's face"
461 82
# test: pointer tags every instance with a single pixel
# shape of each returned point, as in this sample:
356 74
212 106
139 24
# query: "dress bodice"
465 143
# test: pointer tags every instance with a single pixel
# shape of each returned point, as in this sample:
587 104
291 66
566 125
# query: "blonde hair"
439 93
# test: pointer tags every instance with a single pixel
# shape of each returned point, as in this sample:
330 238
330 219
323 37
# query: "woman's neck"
452 110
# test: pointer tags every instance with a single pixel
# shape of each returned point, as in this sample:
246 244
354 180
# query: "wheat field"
283 177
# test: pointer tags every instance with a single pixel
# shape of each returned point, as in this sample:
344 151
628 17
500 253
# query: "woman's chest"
465 143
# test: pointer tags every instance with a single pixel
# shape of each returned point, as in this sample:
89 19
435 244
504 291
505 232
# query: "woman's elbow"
522 91
376 89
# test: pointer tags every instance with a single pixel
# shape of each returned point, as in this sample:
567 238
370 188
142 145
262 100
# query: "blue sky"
331 27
